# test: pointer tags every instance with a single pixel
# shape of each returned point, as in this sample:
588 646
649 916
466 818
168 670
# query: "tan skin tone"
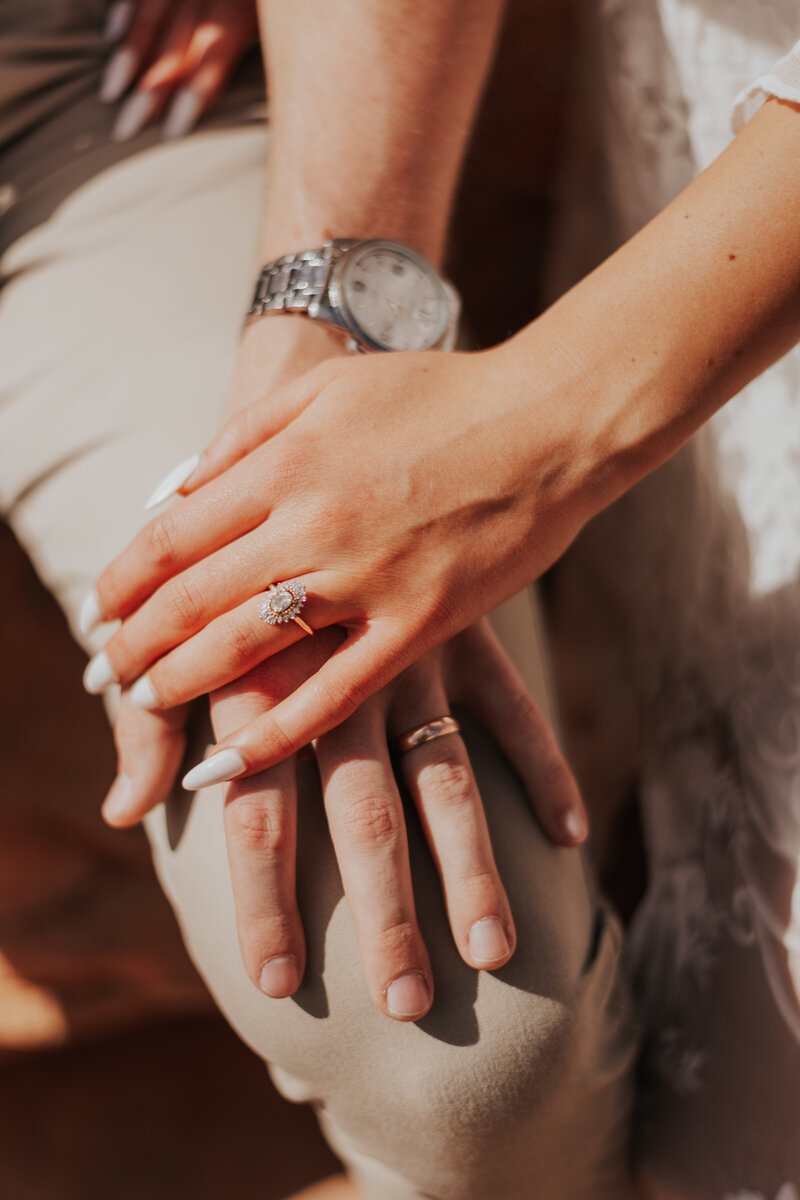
360 788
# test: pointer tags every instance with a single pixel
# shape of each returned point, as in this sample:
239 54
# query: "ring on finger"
427 732
283 602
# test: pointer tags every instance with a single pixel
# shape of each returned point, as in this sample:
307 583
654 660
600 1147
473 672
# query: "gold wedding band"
282 602
429 732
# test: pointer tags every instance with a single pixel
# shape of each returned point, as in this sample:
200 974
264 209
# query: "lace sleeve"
782 80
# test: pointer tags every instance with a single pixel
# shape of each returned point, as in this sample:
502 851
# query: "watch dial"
395 299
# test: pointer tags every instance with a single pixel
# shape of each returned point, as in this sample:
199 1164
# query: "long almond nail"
172 483
407 996
279 976
99 674
183 113
143 694
219 768
134 115
118 20
118 75
487 941
90 616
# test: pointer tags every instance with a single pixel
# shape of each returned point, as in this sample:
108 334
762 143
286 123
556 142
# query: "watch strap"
293 282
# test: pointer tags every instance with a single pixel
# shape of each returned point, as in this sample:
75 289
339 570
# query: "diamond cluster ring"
282 602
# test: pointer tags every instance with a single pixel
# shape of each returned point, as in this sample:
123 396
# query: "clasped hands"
398 490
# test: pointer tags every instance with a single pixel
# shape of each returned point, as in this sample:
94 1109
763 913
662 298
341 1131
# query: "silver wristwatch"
382 295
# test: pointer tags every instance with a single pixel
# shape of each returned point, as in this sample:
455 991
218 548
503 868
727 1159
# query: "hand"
365 815
183 53
344 498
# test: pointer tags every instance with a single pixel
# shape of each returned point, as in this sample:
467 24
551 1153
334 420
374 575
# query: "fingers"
190 46
150 747
439 779
261 832
363 663
496 694
227 648
260 818
178 538
366 820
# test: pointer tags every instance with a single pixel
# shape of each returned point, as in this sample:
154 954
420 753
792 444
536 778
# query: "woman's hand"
365 814
412 494
179 55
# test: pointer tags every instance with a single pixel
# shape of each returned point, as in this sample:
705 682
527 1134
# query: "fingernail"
487 941
133 116
117 803
90 616
183 113
575 826
407 996
118 75
118 21
219 768
99 674
279 976
143 694
173 482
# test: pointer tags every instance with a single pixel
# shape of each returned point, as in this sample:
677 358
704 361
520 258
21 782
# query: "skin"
627 366
395 157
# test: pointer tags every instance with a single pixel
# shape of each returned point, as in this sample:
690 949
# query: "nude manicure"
135 113
219 768
90 616
407 996
143 694
119 20
173 482
118 75
487 941
99 674
183 113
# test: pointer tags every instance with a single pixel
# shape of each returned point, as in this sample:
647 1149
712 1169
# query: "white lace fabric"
782 81
700 570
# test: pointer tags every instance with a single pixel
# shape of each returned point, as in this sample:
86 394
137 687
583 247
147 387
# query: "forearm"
686 313
371 104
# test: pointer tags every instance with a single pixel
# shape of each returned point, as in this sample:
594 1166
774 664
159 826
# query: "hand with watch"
366 295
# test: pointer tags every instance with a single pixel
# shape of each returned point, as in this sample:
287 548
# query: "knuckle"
243 643
281 745
255 826
398 940
450 780
524 713
184 604
159 542
370 821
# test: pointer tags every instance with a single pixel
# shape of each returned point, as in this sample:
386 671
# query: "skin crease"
274 353
520 465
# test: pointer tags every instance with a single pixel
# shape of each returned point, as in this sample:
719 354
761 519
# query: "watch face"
393 297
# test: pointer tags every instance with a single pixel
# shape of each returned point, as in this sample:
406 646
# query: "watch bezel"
338 296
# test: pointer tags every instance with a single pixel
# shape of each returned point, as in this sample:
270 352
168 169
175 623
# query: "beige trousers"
119 319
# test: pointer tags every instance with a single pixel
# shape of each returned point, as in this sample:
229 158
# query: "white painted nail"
99 674
173 482
143 694
134 115
118 75
118 801
220 768
90 616
118 21
183 112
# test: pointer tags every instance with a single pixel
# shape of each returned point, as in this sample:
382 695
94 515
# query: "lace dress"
696 577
